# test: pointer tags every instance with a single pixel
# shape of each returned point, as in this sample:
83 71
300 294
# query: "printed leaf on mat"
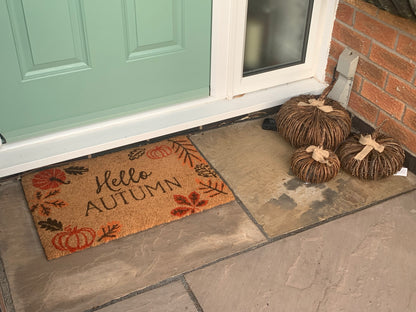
44 203
109 231
76 170
194 197
212 189
136 153
205 171
186 151
181 200
57 203
51 225
194 204
51 193
182 211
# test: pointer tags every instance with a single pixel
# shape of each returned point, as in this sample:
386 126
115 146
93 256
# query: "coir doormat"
89 202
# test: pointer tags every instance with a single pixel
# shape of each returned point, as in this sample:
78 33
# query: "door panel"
73 62
48 48
144 39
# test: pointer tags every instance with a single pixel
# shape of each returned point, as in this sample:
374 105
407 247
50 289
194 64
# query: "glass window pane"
276 34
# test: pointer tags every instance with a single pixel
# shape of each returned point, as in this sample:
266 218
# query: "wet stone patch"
256 165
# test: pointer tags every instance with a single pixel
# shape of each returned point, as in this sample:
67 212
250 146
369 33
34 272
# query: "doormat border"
183 160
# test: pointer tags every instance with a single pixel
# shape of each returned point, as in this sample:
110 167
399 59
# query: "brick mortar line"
404 80
405 105
364 57
400 30
367 59
386 92
377 18
354 14
378 115
389 73
386 82
402 116
407 59
357 9
374 40
370 48
361 84
354 112
396 42
404 125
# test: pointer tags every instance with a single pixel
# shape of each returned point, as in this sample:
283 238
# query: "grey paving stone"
98 275
362 262
169 298
256 165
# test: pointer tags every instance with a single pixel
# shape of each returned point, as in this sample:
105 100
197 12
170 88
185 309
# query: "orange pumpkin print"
49 178
74 239
159 152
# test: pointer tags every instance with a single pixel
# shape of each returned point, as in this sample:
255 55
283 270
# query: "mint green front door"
66 63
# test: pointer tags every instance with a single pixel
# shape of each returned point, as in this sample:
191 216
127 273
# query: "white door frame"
226 82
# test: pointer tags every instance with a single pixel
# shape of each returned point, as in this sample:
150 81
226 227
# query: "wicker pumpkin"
303 119
314 164
371 157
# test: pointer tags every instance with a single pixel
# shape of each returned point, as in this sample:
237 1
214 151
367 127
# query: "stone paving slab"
98 275
362 262
170 298
256 165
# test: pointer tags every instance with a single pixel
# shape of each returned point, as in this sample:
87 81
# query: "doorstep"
271 204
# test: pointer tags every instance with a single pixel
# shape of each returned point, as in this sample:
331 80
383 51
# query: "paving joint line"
181 277
237 199
191 294
137 292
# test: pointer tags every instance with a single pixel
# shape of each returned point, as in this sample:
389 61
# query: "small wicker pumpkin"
302 119
314 164
371 157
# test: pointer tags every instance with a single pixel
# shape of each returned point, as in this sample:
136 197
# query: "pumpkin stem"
68 228
58 180
329 88
378 129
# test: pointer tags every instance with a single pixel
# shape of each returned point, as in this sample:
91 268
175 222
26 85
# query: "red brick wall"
385 81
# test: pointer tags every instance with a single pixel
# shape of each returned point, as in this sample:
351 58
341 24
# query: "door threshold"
66 145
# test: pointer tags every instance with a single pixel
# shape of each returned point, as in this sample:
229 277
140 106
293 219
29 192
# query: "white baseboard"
61 146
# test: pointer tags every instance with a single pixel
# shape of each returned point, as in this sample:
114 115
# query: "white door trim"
49 149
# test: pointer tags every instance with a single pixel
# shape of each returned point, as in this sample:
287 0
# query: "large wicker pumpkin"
303 119
313 164
377 156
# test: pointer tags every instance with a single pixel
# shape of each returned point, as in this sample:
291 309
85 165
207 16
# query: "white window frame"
233 13
289 74
260 92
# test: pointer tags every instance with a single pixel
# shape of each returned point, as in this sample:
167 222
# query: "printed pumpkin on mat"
89 202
